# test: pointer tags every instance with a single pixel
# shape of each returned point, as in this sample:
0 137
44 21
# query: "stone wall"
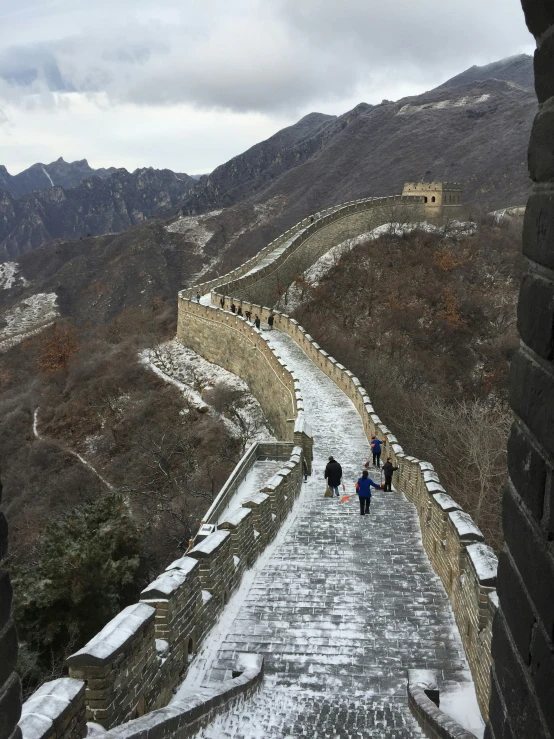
10 688
270 279
229 341
522 703
130 668
424 703
183 718
447 531
55 711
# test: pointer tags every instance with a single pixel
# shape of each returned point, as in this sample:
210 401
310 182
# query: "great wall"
124 665
126 679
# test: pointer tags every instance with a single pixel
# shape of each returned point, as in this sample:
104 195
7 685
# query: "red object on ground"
344 498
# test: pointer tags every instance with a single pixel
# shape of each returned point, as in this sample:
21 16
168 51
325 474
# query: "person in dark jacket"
198 296
248 314
333 475
257 321
233 307
363 489
376 449
239 311
222 302
388 469
270 321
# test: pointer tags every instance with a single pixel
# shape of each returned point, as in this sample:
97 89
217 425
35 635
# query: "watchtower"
441 199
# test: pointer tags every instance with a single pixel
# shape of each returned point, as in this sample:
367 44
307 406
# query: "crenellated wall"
454 544
130 668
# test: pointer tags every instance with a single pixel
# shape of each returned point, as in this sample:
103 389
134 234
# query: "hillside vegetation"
427 323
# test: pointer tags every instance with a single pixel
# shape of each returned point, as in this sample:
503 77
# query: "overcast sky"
187 84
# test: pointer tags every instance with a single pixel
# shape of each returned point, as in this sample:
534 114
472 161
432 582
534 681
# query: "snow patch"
444 104
458 700
49 178
194 227
313 275
28 317
194 376
10 277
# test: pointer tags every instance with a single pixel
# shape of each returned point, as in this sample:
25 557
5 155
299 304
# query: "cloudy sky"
187 84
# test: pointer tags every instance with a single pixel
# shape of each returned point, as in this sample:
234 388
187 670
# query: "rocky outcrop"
95 206
43 176
473 129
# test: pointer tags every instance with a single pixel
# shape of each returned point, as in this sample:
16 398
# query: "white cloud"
179 71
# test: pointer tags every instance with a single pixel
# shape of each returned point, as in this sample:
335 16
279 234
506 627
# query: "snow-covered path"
343 605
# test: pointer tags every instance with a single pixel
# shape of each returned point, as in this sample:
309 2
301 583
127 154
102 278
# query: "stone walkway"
340 605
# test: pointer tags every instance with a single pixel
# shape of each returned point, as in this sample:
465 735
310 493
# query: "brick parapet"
446 530
132 666
424 702
183 718
55 711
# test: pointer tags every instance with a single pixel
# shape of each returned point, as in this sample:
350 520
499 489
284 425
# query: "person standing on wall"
388 469
363 489
270 321
376 449
222 302
239 311
257 321
198 297
233 308
333 475
248 315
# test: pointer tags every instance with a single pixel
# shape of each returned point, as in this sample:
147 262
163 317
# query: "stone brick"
527 471
538 228
516 607
542 673
544 69
532 398
8 651
536 315
539 15
5 597
533 560
541 147
10 706
3 536
524 713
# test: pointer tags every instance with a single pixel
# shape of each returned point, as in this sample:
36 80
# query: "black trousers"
376 459
364 505
388 484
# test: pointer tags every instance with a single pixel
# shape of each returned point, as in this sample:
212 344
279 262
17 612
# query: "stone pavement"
340 605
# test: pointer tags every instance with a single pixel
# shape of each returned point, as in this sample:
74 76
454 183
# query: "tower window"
433 199
424 198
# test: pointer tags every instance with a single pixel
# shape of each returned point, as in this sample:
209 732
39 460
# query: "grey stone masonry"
340 605
260 505
119 666
215 557
55 711
522 701
424 701
240 525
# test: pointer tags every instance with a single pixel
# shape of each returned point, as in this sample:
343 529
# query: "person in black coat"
233 307
257 322
270 321
333 475
388 469
239 310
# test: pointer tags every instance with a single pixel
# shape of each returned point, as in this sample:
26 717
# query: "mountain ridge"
97 205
